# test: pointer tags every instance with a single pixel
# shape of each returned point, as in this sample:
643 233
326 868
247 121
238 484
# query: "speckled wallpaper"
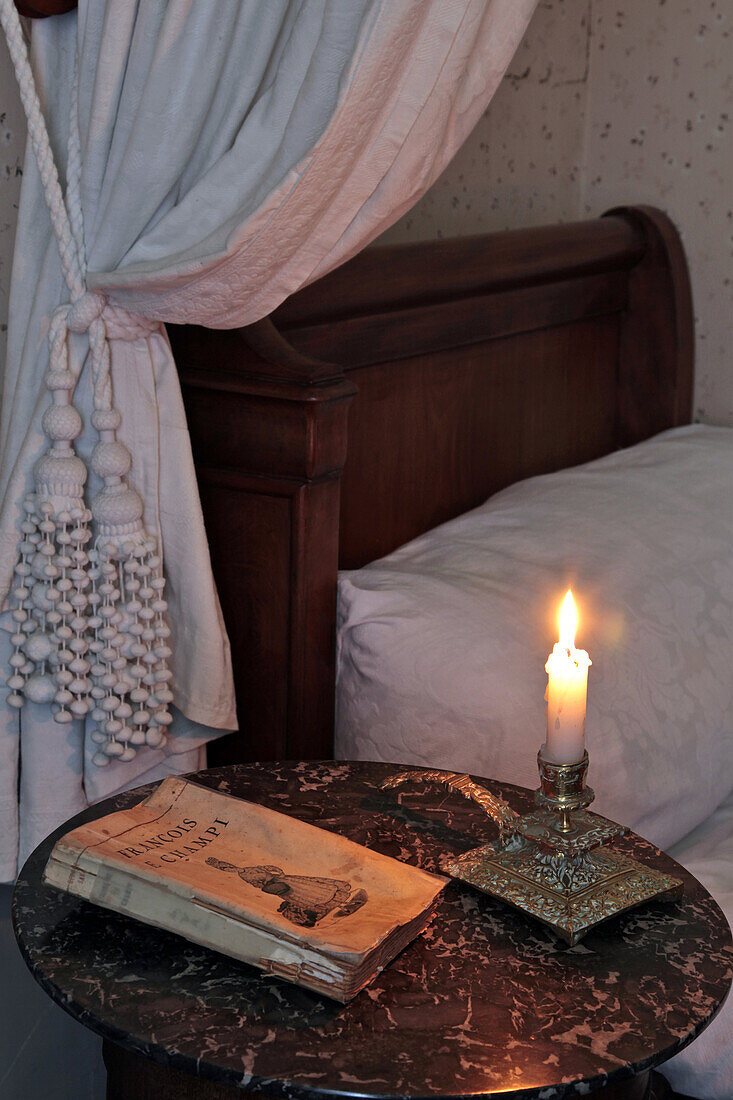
660 130
12 143
606 102
610 102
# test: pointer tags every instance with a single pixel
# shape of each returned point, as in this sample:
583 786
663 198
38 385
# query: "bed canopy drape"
216 156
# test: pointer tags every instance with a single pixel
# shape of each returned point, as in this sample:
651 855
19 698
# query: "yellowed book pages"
253 883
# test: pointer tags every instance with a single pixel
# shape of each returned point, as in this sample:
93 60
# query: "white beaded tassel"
56 520
130 675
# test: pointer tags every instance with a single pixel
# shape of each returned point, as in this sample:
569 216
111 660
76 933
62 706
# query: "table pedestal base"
132 1077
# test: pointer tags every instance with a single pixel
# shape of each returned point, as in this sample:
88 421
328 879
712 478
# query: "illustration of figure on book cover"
306 899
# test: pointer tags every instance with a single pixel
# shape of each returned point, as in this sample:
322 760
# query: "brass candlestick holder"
554 863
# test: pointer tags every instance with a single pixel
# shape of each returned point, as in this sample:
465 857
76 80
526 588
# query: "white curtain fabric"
233 151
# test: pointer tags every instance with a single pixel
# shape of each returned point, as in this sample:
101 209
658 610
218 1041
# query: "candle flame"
568 621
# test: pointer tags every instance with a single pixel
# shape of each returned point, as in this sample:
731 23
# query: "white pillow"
442 644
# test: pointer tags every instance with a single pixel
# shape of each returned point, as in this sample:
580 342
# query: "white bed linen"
442 644
705 1068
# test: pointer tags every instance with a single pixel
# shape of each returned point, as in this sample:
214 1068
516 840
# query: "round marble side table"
486 1003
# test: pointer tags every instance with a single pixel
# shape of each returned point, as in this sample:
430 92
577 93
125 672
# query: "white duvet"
442 644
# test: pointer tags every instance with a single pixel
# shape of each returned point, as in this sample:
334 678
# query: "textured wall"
660 113
611 102
12 141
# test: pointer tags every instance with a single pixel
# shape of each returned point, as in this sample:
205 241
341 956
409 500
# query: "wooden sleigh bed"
397 392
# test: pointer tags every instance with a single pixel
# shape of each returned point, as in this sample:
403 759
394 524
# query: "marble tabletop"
485 1002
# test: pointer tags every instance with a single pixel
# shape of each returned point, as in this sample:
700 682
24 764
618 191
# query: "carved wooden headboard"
401 390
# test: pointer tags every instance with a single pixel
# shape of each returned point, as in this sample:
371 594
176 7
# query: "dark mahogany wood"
269 457
41 9
657 333
400 390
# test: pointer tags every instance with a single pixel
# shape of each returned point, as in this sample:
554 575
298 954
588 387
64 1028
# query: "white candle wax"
567 689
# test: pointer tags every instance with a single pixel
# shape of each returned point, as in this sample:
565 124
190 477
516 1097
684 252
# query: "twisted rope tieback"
90 627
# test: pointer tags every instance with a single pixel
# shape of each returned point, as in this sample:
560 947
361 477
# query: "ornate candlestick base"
551 863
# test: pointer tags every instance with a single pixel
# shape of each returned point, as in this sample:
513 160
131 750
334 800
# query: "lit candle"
567 689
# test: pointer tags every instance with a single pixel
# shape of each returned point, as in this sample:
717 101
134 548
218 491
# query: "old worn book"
297 901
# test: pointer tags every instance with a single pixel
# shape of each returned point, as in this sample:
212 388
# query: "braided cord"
68 250
73 171
67 216
97 331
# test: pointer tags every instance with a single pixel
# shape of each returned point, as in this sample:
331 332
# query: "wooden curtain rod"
41 9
